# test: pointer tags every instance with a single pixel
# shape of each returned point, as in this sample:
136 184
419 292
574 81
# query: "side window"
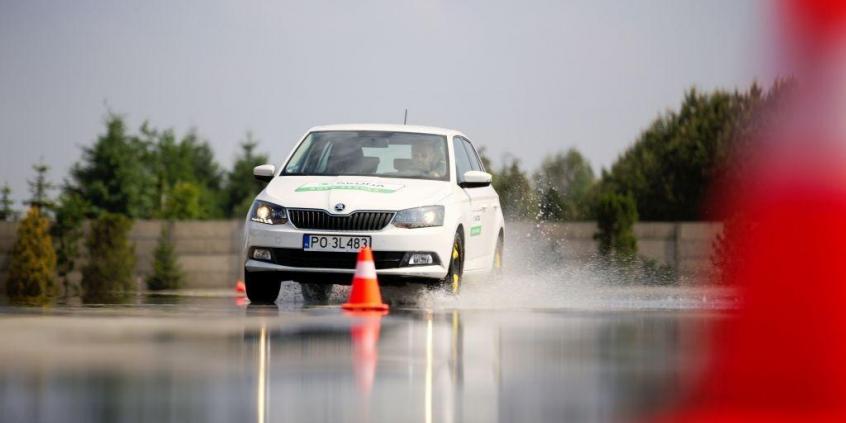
462 162
471 154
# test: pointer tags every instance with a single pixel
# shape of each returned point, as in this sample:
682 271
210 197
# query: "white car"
419 197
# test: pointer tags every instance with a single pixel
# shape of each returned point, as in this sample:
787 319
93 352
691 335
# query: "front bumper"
388 243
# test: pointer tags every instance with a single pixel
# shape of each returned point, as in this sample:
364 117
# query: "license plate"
342 243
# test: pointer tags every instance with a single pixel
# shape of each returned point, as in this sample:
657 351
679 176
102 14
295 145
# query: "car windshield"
371 153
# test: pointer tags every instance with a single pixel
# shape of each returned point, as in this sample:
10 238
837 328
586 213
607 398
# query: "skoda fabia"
419 197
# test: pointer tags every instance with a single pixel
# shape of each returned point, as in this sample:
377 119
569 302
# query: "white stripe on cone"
365 270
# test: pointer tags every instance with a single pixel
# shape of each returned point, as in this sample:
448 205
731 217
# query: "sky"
521 77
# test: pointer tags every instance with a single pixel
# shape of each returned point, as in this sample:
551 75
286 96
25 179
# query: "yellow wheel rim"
456 280
498 260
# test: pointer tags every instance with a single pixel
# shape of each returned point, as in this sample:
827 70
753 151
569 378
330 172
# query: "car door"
486 202
473 244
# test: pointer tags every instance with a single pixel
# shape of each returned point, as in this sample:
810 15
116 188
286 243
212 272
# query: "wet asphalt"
584 353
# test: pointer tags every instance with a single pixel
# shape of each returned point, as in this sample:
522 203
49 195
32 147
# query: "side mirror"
264 172
475 179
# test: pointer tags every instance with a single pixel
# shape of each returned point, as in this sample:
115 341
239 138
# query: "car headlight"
420 217
267 213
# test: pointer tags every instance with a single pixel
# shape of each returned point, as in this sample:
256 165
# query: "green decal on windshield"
354 186
475 230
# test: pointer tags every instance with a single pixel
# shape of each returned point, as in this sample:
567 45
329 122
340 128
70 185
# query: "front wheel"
262 287
452 281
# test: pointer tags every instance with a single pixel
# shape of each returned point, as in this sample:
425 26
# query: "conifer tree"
111 259
167 273
616 215
32 264
67 231
6 211
40 187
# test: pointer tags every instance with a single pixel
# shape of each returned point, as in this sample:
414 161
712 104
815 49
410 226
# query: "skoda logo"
340 207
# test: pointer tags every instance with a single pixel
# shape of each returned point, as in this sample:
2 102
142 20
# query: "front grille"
294 257
356 221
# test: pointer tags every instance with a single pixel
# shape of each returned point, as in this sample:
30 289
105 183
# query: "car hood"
354 192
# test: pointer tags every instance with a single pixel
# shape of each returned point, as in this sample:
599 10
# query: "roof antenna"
405 118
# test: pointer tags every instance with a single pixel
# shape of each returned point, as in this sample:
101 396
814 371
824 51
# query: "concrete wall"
209 251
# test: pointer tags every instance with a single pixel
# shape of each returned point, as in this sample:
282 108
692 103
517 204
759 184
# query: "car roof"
387 127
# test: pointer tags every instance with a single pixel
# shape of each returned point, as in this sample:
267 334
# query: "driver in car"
427 159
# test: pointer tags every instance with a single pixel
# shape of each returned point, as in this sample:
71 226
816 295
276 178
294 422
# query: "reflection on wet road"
196 358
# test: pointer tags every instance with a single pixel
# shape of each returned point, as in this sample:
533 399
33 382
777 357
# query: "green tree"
516 196
6 211
762 113
114 175
182 202
40 187
166 271
241 185
67 232
33 262
565 179
190 160
615 217
107 276
674 163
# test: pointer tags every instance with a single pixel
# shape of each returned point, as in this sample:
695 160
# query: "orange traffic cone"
365 294
240 288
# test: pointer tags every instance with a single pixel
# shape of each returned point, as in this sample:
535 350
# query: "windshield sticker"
353 186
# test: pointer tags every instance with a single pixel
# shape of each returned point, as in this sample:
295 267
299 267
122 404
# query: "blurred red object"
813 24
782 357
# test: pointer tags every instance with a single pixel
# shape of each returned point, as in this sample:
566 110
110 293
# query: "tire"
452 282
316 293
262 287
497 269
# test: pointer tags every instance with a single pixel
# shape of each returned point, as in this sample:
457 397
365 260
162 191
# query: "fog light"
261 254
420 258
